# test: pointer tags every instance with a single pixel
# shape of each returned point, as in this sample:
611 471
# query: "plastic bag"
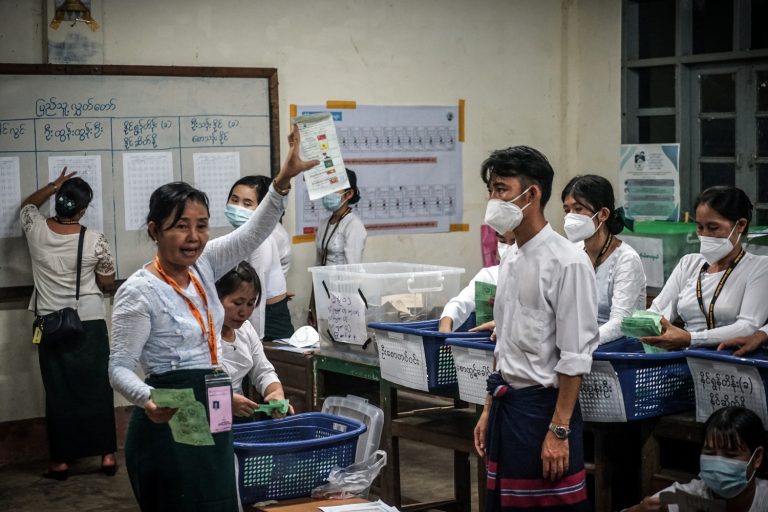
352 481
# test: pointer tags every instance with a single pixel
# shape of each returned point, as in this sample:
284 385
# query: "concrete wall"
538 72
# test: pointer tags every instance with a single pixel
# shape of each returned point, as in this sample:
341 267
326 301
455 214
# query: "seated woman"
242 353
718 293
733 451
592 219
458 309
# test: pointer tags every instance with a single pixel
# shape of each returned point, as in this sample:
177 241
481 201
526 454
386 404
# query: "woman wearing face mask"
719 293
340 239
272 319
592 221
242 353
734 447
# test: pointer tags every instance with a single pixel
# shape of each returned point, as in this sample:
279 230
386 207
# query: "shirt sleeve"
262 373
354 244
224 252
131 325
628 289
577 334
29 216
461 306
665 302
752 313
106 262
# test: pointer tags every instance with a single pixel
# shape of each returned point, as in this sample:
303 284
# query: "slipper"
59 475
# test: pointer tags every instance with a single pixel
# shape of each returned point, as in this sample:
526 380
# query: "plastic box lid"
359 409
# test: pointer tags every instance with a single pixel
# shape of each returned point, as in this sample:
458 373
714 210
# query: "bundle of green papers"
280 405
641 323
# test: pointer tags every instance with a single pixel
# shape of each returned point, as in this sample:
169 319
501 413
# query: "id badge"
37 331
218 387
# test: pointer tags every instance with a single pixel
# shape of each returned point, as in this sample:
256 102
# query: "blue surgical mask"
332 202
237 215
724 476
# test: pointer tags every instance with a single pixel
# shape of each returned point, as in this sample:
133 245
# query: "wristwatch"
560 431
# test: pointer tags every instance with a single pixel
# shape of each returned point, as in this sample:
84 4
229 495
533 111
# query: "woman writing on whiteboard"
718 293
168 317
340 239
272 319
79 407
592 221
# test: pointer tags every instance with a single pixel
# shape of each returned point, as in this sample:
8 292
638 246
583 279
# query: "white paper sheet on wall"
215 173
651 251
88 168
10 197
143 172
319 142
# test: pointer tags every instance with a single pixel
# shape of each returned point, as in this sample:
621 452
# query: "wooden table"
305 505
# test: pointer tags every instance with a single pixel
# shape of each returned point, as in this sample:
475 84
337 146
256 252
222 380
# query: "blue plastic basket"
441 372
288 457
473 359
723 390
651 384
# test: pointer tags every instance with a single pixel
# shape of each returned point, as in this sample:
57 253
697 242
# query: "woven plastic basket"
627 384
401 346
473 359
287 458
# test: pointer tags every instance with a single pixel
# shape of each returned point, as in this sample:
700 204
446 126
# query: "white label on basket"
600 397
719 384
473 366
346 317
339 427
402 361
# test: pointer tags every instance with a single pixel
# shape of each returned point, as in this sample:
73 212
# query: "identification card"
219 390
37 334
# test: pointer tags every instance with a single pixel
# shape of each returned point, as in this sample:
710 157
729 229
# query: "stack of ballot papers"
641 323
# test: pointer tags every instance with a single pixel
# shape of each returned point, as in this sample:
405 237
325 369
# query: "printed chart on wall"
408 165
649 181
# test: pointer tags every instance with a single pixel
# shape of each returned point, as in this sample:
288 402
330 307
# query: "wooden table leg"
390 475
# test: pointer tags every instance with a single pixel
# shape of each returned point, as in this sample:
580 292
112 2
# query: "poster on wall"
408 166
649 181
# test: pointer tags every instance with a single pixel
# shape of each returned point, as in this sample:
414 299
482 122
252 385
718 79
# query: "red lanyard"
210 334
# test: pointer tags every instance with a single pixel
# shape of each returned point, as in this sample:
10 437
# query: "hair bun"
65 205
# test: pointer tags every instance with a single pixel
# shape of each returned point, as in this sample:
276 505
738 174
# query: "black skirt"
277 321
79 403
169 476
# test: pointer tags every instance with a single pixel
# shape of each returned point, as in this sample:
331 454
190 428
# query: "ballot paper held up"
189 425
319 142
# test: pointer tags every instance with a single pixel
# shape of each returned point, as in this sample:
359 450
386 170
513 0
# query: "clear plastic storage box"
348 297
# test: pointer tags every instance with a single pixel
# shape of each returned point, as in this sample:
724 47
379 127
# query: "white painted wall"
538 72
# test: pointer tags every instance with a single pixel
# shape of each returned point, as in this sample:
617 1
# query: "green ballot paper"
190 424
641 323
485 293
280 405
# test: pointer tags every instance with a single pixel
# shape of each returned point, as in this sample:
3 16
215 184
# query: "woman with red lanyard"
167 316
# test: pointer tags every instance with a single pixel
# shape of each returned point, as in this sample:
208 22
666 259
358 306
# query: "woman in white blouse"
241 350
79 408
719 293
591 218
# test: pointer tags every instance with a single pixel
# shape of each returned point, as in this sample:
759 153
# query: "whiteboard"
58 111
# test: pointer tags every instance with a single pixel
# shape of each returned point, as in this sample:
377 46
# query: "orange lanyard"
210 334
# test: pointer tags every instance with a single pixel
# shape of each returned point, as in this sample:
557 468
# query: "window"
696 72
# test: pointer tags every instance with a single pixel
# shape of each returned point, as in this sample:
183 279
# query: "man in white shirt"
546 328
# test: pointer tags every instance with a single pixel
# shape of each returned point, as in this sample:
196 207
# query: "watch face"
561 432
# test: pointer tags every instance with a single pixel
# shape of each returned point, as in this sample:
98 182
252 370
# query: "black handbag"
64 324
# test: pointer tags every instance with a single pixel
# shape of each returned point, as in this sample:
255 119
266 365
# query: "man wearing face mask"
340 238
719 293
546 329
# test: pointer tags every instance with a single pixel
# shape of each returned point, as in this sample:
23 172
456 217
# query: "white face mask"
579 227
505 216
714 248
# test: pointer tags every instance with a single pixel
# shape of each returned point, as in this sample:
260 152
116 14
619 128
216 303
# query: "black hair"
352 175
74 195
256 182
231 281
169 201
730 202
734 427
525 163
595 193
